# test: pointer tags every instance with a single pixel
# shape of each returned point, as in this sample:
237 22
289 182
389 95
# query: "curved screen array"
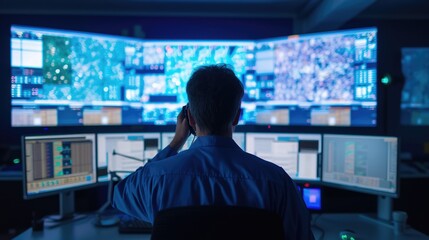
361 163
64 78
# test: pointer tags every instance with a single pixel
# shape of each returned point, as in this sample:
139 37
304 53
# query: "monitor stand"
384 208
66 211
384 211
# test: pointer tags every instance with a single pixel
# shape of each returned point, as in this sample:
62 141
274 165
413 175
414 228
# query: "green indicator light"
16 160
386 80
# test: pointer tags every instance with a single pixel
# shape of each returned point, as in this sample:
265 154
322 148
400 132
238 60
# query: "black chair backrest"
217 222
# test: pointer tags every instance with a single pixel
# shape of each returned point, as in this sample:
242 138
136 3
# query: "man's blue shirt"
213 171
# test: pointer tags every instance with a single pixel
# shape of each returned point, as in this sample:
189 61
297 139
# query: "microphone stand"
108 221
129 157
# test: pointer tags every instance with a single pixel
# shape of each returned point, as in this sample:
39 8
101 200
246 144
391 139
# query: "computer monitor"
415 93
123 153
366 164
58 164
298 154
70 78
312 196
319 79
240 139
167 137
361 163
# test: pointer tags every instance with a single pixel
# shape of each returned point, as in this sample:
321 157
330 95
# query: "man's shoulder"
262 161
170 162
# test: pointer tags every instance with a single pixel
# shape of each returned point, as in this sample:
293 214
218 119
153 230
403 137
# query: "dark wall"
162 27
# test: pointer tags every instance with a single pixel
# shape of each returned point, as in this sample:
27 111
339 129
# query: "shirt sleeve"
132 194
127 200
164 153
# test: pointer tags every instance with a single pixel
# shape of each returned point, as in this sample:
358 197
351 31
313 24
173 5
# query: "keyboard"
129 224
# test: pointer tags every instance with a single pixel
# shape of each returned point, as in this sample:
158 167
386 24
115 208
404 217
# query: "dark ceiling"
397 9
309 14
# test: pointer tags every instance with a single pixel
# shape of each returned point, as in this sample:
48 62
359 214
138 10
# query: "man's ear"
237 117
191 119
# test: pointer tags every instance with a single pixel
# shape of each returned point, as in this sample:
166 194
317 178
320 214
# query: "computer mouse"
348 234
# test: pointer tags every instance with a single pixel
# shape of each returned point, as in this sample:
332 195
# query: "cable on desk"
51 222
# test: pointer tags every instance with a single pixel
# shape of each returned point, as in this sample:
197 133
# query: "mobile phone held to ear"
185 112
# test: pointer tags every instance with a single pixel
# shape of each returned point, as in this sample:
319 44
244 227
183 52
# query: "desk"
81 229
331 224
364 226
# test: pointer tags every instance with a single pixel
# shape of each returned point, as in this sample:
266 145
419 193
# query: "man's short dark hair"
214 94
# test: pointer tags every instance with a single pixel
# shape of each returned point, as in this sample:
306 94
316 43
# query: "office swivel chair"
217 223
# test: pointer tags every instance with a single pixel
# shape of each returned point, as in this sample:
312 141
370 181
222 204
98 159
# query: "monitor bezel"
26 195
361 189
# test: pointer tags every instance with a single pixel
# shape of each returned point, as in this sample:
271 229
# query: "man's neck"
206 133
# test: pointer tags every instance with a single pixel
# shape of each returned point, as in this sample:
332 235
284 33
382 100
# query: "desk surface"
330 225
326 226
81 229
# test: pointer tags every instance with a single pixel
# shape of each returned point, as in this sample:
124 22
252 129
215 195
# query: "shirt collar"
212 140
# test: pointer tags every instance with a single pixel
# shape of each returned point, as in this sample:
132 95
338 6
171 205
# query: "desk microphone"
127 156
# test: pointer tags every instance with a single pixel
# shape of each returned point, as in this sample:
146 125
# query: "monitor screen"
312 198
69 78
361 163
415 93
65 78
58 163
123 153
240 139
167 137
323 79
297 154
